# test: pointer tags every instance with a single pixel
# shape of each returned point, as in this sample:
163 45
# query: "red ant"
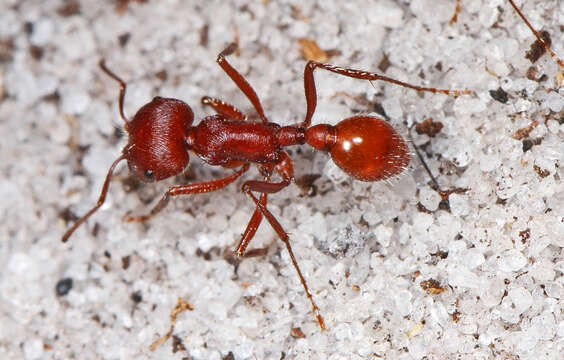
161 134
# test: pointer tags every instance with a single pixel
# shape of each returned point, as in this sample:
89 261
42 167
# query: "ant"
161 133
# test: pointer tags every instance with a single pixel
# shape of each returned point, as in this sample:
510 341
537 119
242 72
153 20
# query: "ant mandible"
161 133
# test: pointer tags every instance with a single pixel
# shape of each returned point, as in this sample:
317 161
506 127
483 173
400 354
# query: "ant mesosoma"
161 133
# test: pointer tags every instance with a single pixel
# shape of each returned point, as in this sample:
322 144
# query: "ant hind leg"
256 219
286 171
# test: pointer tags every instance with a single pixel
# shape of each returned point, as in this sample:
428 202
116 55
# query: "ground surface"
367 250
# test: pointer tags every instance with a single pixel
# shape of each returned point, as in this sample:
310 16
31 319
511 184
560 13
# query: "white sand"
504 237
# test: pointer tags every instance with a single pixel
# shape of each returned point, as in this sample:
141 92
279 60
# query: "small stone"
33 349
429 198
512 260
459 205
521 299
489 162
461 276
63 286
555 101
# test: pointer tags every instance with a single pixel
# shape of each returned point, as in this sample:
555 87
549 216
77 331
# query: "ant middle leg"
198 188
311 93
223 108
122 86
239 80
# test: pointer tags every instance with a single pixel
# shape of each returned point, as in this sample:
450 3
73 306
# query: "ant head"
156 148
369 149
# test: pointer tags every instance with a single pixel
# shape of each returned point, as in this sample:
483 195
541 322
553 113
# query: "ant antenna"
101 200
122 87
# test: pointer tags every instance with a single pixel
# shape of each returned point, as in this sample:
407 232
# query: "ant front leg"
286 171
198 188
311 93
240 81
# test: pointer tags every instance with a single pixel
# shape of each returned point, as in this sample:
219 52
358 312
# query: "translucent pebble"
342 331
555 101
393 108
459 204
244 350
75 102
512 260
383 235
555 291
506 188
473 258
403 302
20 264
418 348
542 270
61 132
334 173
33 349
97 162
459 153
489 17
526 342
553 126
499 67
543 326
429 198
521 299
431 11
42 31
492 294
385 13
560 329
461 276
489 162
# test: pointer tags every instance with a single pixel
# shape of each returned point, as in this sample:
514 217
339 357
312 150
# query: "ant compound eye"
149 174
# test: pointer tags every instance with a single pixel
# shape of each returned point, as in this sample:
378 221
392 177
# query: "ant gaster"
162 132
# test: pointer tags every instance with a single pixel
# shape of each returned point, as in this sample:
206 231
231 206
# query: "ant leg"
457 9
544 43
239 80
311 93
198 188
223 108
122 86
256 219
251 229
286 171
272 188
